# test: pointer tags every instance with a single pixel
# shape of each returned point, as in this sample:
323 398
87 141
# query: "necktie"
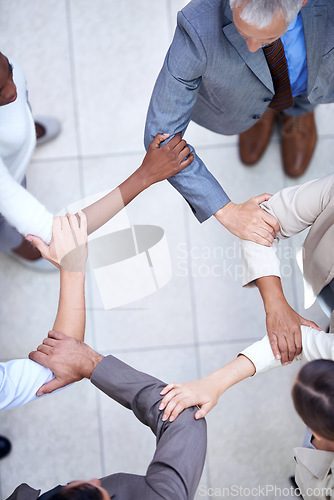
278 67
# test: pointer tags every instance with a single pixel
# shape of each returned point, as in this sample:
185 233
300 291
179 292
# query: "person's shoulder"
198 8
206 16
24 492
312 7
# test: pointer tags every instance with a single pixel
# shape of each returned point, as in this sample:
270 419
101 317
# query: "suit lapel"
256 61
314 21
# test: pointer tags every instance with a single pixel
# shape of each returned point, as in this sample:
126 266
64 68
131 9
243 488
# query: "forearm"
131 388
200 189
171 473
231 374
71 316
107 207
170 110
270 288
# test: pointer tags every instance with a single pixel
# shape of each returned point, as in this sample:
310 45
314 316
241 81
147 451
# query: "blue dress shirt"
295 51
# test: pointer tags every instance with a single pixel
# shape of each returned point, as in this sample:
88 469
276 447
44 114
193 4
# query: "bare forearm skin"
71 315
231 374
270 288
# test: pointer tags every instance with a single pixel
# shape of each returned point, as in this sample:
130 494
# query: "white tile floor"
93 65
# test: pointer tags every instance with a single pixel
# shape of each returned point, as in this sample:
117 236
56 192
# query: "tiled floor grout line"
91 156
170 22
116 154
100 431
209 343
82 191
74 94
192 293
124 154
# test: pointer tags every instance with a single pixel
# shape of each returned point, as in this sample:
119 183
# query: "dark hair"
83 491
313 396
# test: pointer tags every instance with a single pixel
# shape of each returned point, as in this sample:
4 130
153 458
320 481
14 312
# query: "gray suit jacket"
177 464
210 76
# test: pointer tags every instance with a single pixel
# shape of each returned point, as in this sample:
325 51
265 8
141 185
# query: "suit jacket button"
256 117
267 99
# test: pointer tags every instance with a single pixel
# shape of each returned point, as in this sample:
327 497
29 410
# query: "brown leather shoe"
254 141
299 137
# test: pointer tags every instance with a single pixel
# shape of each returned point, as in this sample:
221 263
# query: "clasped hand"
68 358
68 247
284 331
177 397
163 162
249 221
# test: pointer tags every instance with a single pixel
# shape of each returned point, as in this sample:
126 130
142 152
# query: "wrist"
271 291
141 178
95 359
223 213
274 300
133 185
77 276
218 381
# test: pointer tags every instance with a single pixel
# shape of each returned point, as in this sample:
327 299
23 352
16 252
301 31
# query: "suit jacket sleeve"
296 208
178 461
316 345
20 379
170 109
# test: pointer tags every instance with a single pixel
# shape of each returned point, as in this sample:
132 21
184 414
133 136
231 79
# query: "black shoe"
5 446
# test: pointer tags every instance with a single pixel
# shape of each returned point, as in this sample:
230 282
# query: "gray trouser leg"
301 106
9 237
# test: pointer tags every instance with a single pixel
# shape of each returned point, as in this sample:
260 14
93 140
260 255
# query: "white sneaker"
40 265
51 126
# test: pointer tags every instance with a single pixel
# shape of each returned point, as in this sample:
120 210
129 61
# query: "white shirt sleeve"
21 209
20 379
258 261
316 345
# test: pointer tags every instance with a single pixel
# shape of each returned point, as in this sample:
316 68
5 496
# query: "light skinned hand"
163 162
283 327
68 246
177 397
249 221
68 358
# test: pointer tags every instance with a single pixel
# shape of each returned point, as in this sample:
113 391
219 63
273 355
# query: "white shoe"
51 126
40 265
